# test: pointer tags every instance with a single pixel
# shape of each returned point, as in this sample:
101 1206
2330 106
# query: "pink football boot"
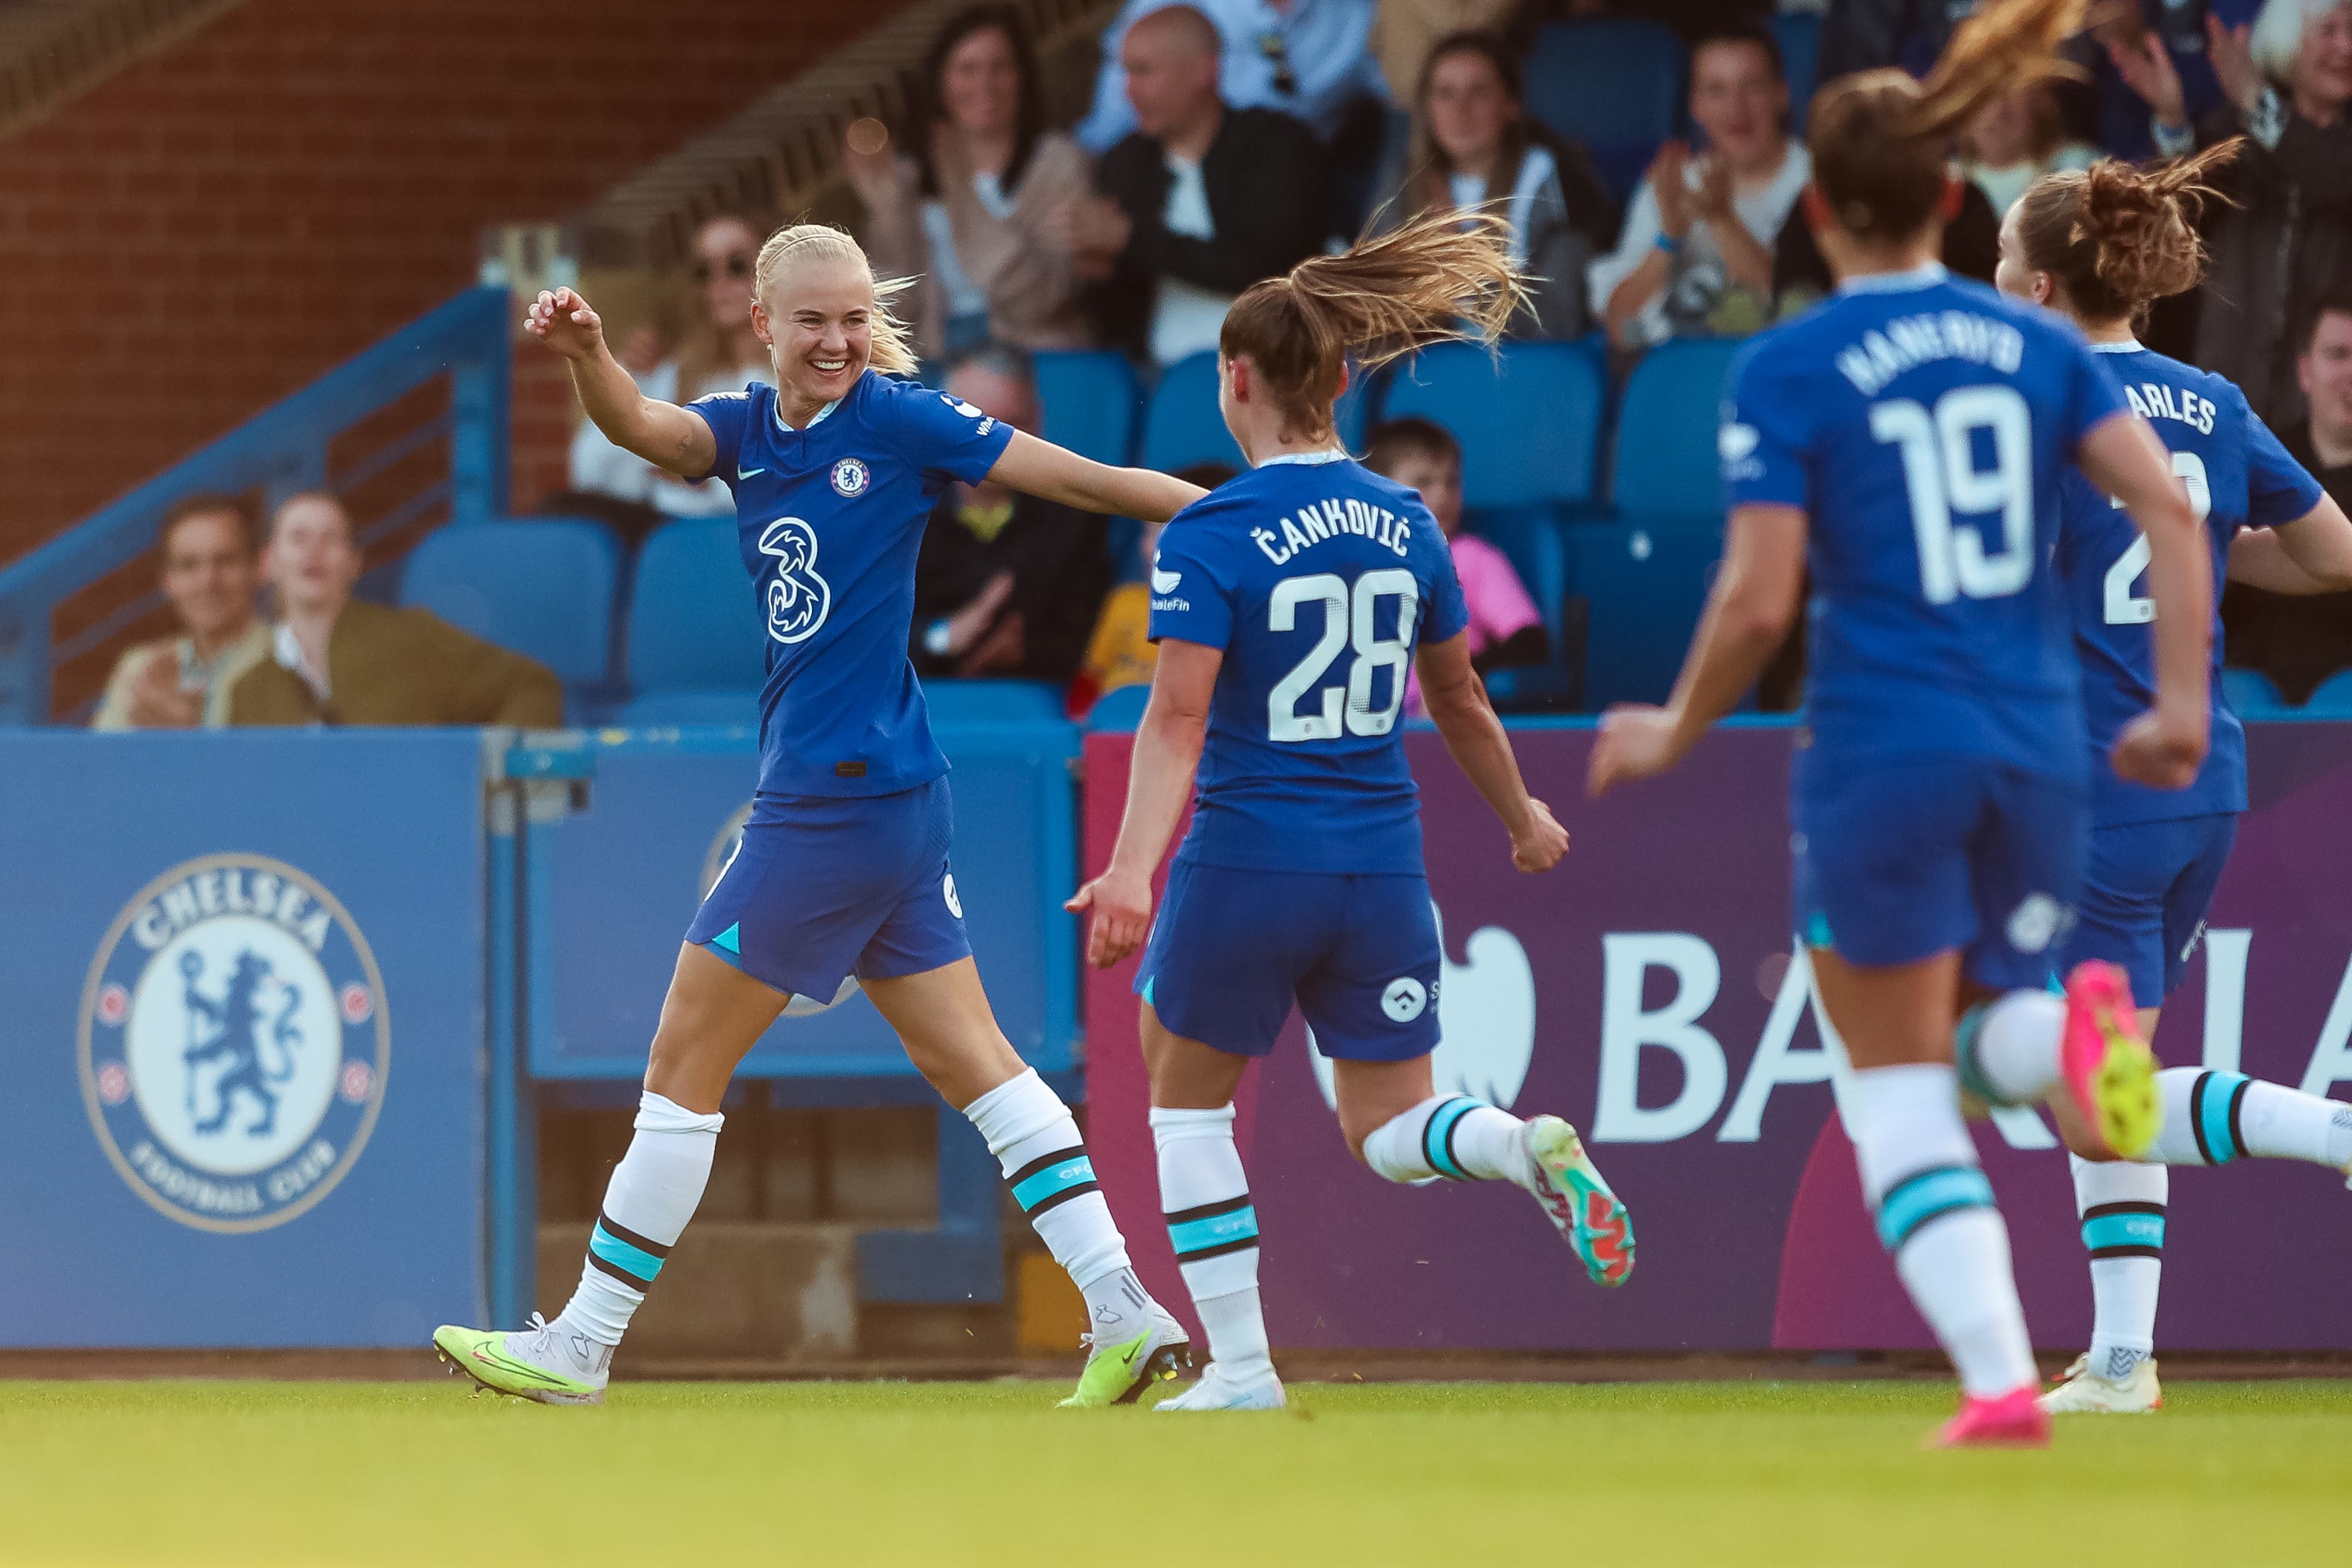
2010 1420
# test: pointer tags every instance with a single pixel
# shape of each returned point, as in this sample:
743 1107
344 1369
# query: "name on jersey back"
2153 400
1322 520
1909 341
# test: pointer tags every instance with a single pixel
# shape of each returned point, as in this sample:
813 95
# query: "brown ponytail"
1879 140
1441 275
2117 238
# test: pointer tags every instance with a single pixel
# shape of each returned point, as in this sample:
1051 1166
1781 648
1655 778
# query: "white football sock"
2212 1118
1036 1144
651 1197
1205 1196
2007 1050
2122 1209
1934 1213
1449 1135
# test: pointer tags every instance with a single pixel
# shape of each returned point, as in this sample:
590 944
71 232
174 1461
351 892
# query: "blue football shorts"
1232 949
1900 859
825 887
2145 897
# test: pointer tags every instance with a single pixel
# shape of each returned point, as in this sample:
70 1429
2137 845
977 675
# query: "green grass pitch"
1433 1476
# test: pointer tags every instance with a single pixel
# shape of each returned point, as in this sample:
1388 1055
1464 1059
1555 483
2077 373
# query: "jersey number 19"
1942 477
1347 617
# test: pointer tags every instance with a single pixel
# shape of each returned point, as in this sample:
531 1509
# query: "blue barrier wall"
247 1027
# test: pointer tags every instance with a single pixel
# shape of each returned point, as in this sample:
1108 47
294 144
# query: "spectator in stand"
1121 652
1472 142
718 352
967 206
1407 32
1311 59
210 575
2299 641
2014 141
1199 202
2285 82
1696 256
339 660
1006 584
1505 628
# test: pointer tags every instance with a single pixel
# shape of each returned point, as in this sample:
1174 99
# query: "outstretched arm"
661 433
1040 468
1159 781
2164 746
2311 555
1748 618
1457 700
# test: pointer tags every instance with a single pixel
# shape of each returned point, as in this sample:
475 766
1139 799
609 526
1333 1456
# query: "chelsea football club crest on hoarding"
234 1042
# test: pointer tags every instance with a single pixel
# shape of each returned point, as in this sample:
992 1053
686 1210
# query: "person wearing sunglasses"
716 351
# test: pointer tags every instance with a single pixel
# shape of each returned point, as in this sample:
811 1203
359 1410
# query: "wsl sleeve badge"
234 1044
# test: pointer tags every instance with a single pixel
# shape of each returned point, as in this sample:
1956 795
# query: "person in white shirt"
1311 59
720 353
1696 254
211 570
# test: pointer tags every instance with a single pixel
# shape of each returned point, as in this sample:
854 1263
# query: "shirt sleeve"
944 436
1765 441
2094 396
729 415
1190 601
2278 488
1447 614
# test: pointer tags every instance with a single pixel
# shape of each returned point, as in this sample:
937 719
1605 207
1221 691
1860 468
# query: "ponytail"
1441 276
1879 140
2117 238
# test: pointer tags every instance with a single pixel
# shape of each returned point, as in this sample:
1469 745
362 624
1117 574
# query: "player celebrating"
843 869
1287 605
2098 247
1908 435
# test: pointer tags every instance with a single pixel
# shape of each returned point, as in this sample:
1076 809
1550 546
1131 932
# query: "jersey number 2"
2125 608
1940 473
1346 618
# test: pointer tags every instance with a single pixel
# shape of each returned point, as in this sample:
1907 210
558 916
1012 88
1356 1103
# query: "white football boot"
1215 1391
2082 1392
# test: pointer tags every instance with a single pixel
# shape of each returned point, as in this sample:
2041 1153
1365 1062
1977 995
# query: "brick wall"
211 227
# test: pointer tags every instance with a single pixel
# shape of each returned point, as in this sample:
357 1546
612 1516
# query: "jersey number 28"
2125 608
1347 617
1941 475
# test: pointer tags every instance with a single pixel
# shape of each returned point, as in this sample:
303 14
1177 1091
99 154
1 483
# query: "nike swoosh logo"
506 1364
747 473
1165 581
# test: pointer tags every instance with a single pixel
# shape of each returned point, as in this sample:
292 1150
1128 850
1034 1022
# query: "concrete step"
750 1293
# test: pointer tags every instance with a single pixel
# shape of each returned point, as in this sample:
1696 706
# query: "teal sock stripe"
1437 1137
1056 1178
1916 1199
1212 1229
630 1259
2214 1102
2124 1229
1964 1055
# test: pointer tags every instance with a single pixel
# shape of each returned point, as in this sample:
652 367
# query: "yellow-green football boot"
538 1362
1119 1373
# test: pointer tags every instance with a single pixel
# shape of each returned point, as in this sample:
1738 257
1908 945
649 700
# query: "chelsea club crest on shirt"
234 1044
850 477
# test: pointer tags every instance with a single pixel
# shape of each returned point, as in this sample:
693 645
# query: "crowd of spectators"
1224 141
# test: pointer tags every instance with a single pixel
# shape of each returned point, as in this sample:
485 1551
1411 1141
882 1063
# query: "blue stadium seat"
1120 708
1181 425
952 701
1665 457
1530 424
543 587
1614 85
2332 698
1642 585
1800 37
678 709
1090 397
694 621
2253 695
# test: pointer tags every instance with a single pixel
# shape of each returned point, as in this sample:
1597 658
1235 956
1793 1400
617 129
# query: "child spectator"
1122 653
1505 629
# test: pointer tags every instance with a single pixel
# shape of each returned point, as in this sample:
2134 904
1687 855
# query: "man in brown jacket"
337 660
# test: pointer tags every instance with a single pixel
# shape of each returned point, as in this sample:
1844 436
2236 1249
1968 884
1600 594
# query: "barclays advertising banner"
1646 991
245 1038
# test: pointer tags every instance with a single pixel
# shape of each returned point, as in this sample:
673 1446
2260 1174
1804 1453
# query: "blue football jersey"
830 518
1319 578
1923 423
2238 476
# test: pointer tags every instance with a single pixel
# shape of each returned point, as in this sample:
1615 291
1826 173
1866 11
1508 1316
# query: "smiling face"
979 84
818 317
1469 109
2323 65
209 574
2326 373
1739 102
